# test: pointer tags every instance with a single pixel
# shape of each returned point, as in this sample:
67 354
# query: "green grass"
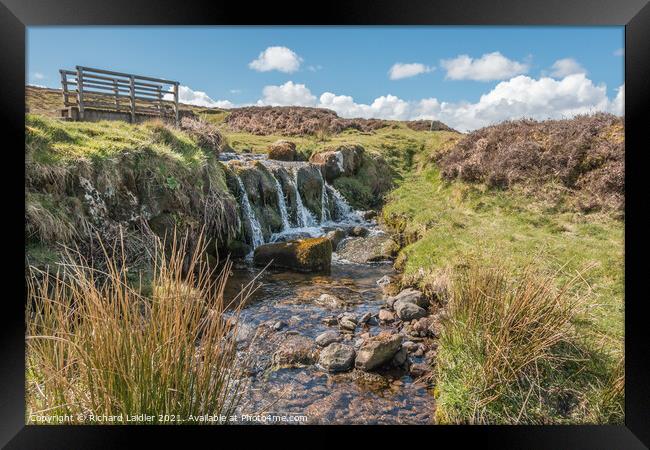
444 225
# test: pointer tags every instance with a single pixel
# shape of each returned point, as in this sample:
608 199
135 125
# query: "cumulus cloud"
282 59
289 93
489 67
618 104
519 97
39 76
198 98
566 66
401 70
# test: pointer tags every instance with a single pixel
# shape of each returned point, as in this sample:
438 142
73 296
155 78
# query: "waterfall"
325 207
304 217
256 230
282 205
342 207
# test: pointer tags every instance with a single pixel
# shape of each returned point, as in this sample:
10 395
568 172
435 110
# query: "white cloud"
618 104
235 91
490 66
314 68
282 59
39 76
566 66
516 98
198 98
289 93
619 52
401 70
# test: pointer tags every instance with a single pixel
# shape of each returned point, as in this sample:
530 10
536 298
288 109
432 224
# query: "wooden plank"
80 93
132 99
139 77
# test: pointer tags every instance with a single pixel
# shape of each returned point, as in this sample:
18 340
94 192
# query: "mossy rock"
307 255
282 150
310 185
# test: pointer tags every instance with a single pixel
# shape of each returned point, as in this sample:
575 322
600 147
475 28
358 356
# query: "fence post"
176 103
116 91
132 89
64 87
80 92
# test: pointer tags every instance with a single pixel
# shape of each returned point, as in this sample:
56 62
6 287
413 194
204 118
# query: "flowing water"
287 300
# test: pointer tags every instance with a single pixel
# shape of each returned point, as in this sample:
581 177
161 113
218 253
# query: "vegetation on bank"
473 242
163 348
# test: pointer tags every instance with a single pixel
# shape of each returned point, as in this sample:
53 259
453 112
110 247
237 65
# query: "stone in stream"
359 231
295 351
307 255
337 357
327 338
329 301
277 326
336 236
408 311
400 358
386 316
346 324
409 295
330 321
377 351
365 318
378 247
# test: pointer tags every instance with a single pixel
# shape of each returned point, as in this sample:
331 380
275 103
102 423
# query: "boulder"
386 316
336 236
359 231
377 351
295 351
327 338
310 184
282 151
400 358
378 247
307 255
408 311
344 160
410 295
337 357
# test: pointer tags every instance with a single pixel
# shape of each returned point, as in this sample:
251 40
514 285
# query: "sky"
467 77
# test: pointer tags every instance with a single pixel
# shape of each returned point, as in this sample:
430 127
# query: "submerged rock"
282 150
295 351
377 351
329 301
307 255
379 247
336 236
337 357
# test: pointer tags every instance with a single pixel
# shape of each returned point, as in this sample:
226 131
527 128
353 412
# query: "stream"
284 306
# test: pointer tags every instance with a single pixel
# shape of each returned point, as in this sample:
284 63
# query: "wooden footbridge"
96 94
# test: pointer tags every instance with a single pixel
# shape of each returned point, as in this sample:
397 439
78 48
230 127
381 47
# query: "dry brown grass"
584 155
96 344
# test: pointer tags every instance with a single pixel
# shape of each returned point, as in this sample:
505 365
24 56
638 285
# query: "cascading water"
342 208
257 237
304 217
282 204
325 210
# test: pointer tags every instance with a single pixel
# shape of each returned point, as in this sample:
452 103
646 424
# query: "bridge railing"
100 89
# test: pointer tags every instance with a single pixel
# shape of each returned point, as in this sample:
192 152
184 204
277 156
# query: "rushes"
502 340
96 344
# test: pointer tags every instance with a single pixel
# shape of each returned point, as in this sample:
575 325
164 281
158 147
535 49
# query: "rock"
411 295
359 231
400 358
378 247
337 357
386 316
410 346
308 255
277 326
346 324
418 370
408 311
330 321
344 160
365 318
384 281
310 185
377 351
245 332
295 351
369 215
422 326
327 338
282 150
329 301
336 236
294 236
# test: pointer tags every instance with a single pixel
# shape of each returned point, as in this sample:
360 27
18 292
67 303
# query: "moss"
314 252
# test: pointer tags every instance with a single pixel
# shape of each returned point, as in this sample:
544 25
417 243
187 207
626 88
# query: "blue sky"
450 70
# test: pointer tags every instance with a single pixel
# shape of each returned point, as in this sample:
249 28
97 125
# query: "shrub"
206 135
106 348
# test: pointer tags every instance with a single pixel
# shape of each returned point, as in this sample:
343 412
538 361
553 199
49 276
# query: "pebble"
277 326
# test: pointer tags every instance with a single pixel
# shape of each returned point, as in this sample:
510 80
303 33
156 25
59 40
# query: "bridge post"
80 92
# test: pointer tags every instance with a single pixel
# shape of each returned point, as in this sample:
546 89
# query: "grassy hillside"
451 227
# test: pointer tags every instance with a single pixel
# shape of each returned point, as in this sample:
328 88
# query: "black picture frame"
16 15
